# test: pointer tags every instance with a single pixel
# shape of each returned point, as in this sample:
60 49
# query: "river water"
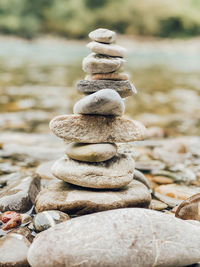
37 82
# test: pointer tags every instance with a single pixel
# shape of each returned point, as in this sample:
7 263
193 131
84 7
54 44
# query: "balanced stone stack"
92 161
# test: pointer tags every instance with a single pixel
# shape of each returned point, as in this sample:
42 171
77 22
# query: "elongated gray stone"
112 50
114 173
124 88
118 238
103 102
103 35
78 201
97 129
91 152
95 63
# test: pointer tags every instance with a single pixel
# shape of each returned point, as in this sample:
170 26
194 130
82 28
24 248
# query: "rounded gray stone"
46 219
118 238
78 201
103 102
114 173
123 88
97 129
103 35
112 50
95 63
91 152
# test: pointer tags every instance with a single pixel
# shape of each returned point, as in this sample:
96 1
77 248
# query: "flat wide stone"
118 238
103 35
114 173
91 152
79 201
112 50
108 76
124 88
97 129
103 102
95 63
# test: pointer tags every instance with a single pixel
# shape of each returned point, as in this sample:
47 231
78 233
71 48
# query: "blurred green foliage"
75 18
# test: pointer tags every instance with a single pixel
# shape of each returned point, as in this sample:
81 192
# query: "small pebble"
103 35
11 219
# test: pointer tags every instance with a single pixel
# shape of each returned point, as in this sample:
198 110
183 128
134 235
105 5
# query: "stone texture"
79 201
94 63
21 196
108 76
139 176
174 194
157 205
103 35
44 170
13 250
91 152
112 50
96 129
189 209
103 102
46 219
124 88
114 173
124 237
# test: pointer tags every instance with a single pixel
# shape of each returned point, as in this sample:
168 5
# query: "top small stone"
103 36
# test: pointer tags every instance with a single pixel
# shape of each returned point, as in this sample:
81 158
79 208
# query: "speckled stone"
103 102
114 173
118 238
112 50
103 35
97 129
123 88
78 201
91 152
95 63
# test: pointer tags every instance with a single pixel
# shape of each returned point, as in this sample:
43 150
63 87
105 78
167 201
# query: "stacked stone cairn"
91 133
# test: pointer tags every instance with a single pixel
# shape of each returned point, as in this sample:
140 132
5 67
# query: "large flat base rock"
118 238
124 88
114 173
97 129
78 201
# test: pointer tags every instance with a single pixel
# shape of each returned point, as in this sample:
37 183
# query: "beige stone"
91 152
112 50
78 201
94 63
108 76
97 129
103 35
114 173
118 238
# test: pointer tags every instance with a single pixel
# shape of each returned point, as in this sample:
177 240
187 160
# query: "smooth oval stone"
78 201
123 88
13 250
111 50
118 238
114 173
103 102
103 35
158 205
189 209
91 152
46 219
107 76
94 63
139 176
97 129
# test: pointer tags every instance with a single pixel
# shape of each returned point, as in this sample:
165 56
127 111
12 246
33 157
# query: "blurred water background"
42 45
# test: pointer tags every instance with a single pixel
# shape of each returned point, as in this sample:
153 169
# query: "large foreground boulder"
124 237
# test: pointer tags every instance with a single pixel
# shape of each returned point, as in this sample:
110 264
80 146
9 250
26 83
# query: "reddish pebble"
11 219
